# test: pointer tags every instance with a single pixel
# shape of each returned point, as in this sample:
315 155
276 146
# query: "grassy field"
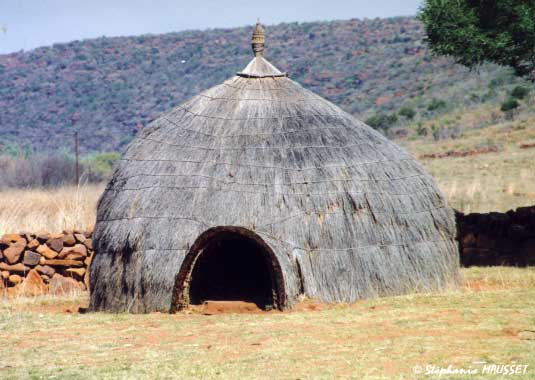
488 182
490 319
51 210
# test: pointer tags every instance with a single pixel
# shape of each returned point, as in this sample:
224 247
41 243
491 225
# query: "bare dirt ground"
490 319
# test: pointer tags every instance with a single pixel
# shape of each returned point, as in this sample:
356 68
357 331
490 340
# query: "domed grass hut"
260 190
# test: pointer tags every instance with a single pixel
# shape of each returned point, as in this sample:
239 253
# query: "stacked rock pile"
497 239
34 264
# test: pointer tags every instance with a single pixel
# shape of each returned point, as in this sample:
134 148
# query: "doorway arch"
231 264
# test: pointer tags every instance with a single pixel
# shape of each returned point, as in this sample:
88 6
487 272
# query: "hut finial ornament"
258 40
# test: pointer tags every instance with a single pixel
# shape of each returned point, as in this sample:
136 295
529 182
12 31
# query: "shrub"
55 170
509 105
382 121
97 167
436 104
407 112
520 92
421 130
437 135
22 170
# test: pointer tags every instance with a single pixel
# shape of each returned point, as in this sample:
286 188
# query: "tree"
382 121
520 92
407 112
477 31
509 107
436 104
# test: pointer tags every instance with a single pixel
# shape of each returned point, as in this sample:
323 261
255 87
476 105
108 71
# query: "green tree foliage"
421 130
51 170
100 164
382 121
407 112
520 92
436 104
124 83
476 31
509 105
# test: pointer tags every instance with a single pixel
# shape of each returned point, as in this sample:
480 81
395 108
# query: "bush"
98 166
55 170
436 104
520 92
509 105
22 170
437 132
382 121
407 112
421 130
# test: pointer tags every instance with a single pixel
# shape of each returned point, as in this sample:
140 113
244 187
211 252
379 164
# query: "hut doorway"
229 264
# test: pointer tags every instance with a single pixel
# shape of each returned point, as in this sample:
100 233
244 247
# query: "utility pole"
74 121
76 154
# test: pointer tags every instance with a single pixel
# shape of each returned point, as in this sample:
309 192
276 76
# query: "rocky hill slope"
109 88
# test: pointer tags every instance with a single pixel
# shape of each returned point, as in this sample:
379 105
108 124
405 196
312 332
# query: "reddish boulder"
75 256
10 238
68 239
86 279
55 244
42 237
13 253
64 263
15 279
89 244
80 238
19 268
45 270
46 252
77 272
31 258
64 285
33 285
78 250
33 244
87 261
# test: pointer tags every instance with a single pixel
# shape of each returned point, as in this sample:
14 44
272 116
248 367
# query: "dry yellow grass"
48 210
489 182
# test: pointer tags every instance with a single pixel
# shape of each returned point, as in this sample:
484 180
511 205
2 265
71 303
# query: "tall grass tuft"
50 210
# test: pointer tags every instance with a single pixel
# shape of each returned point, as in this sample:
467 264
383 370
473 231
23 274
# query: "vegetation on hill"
109 88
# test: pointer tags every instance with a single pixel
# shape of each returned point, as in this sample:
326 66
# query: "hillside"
111 87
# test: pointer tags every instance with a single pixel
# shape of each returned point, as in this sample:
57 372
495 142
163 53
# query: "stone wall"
497 238
33 264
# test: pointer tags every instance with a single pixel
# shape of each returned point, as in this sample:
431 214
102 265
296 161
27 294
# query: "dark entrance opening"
232 267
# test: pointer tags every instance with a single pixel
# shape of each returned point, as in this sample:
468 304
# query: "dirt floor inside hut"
490 319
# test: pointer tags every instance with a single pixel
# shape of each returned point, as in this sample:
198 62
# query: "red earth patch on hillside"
464 153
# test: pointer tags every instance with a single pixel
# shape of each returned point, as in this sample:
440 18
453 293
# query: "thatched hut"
260 190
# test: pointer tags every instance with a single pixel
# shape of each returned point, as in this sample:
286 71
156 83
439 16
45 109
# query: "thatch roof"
346 213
